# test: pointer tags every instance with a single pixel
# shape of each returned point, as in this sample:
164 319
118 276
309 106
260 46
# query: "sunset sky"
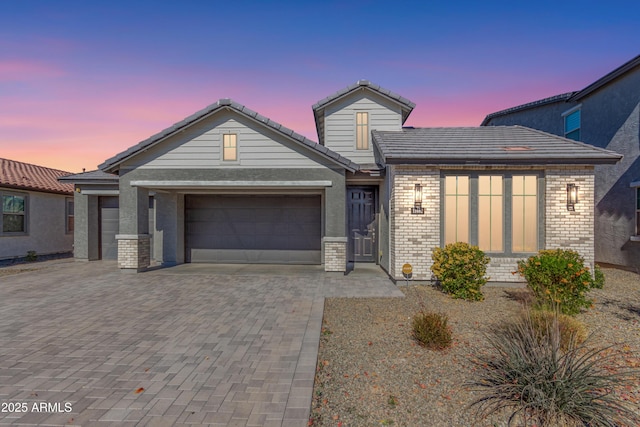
81 81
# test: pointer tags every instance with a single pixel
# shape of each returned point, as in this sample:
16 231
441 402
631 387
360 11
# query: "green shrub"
32 256
559 280
540 384
431 330
460 268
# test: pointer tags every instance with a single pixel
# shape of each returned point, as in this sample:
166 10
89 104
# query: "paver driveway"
193 344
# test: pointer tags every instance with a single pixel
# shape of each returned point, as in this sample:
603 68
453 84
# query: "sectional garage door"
282 229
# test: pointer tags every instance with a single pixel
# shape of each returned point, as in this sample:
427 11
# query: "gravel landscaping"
371 372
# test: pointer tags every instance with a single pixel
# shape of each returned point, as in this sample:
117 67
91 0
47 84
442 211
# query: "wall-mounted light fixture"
572 197
417 208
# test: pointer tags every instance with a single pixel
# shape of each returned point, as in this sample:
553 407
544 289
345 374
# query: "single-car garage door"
253 229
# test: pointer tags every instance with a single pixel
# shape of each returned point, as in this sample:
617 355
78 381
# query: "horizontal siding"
340 127
200 147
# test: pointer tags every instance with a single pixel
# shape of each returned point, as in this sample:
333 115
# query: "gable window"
229 147
362 130
498 213
70 216
572 124
14 219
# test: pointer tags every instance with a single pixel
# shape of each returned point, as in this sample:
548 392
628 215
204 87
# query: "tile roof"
25 176
511 145
550 100
112 163
624 68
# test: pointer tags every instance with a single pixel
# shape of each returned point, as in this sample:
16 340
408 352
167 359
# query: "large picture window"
500 213
14 213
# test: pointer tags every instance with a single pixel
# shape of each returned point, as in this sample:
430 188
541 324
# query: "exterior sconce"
572 197
417 208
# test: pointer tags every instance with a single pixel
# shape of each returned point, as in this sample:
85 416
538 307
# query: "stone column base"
335 254
133 252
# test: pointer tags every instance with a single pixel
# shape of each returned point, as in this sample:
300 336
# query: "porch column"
133 240
86 233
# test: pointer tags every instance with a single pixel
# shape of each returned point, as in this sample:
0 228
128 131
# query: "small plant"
540 384
559 279
392 401
431 330
572 331
460 268
32 256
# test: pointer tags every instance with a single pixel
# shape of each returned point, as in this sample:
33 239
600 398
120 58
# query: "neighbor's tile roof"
512 145
25 176
112 163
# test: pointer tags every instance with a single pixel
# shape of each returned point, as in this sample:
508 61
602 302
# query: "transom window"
362 130
229 147
499 213
572 125
14 213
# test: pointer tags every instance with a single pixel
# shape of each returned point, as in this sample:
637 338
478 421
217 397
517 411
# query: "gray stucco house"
37 211
604 114
227 185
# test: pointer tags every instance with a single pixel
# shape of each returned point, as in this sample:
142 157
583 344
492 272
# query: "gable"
199 146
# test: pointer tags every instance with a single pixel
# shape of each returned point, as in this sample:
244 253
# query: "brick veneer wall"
133 252
335 254
567 229
412 237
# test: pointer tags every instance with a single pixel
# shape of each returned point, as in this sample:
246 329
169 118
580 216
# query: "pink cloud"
24 70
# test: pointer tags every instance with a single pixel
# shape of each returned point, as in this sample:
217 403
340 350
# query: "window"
524 215
498 213
572 125
229 147
362 130
14 213
70 216
456 208
490 213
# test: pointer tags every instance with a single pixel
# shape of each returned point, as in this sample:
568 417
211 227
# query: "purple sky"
81 81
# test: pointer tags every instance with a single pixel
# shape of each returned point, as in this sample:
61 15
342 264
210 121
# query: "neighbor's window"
362 130
70 216
14 213
572 125
490 213
229 147
524 214
456 209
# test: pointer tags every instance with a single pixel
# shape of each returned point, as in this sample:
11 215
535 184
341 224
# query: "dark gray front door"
109 226
269 229
361 204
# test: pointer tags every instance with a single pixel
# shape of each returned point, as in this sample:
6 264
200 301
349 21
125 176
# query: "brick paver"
194 344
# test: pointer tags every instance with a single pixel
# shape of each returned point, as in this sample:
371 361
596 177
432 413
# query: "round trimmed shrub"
460 268
559 280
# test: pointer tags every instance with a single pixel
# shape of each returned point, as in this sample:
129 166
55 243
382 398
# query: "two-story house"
228 185
604 114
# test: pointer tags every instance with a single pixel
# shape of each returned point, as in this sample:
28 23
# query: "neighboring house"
227 185
37 211
604 114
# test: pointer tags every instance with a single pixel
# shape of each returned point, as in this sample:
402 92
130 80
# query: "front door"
361 205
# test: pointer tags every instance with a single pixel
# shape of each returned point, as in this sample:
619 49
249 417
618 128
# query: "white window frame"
235 147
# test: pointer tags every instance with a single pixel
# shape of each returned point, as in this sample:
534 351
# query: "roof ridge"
548 100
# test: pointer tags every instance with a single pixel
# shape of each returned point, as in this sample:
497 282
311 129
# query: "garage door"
253 229
109 225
